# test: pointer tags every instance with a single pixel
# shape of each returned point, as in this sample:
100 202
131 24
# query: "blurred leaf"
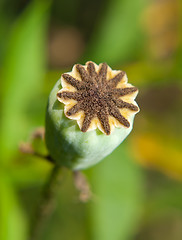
177 66
118 34
22 74
117 185
4 26
146 74
13 222
159 151
30 171
167 199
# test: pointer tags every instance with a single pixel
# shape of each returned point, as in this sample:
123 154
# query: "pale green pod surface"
69 141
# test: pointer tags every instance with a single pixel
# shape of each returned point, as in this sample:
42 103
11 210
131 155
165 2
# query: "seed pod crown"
97 97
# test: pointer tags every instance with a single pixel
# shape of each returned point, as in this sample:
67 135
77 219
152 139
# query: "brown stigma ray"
97 97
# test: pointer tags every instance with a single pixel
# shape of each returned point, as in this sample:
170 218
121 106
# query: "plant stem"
46 205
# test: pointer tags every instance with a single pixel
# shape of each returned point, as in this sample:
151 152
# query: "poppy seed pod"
90 112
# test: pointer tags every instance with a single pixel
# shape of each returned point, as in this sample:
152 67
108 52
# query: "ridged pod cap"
90 112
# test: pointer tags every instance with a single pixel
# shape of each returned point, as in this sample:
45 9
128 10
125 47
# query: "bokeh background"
138 188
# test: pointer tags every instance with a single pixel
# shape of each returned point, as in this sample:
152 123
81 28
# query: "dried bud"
90 112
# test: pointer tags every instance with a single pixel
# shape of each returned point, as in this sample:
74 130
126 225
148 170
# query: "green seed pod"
90 112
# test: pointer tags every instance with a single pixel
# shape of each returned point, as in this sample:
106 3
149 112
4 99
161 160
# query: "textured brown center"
97 96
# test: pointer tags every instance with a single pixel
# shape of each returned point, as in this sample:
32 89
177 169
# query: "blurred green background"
138 188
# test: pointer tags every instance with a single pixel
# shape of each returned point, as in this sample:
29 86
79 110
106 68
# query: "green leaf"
22 74
117 186
118 34
165 200
13 222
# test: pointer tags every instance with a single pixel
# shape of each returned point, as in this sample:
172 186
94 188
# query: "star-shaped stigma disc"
97 96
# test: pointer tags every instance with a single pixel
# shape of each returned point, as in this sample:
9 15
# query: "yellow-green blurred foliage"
137 189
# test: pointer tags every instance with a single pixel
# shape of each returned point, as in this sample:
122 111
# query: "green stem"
46 205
